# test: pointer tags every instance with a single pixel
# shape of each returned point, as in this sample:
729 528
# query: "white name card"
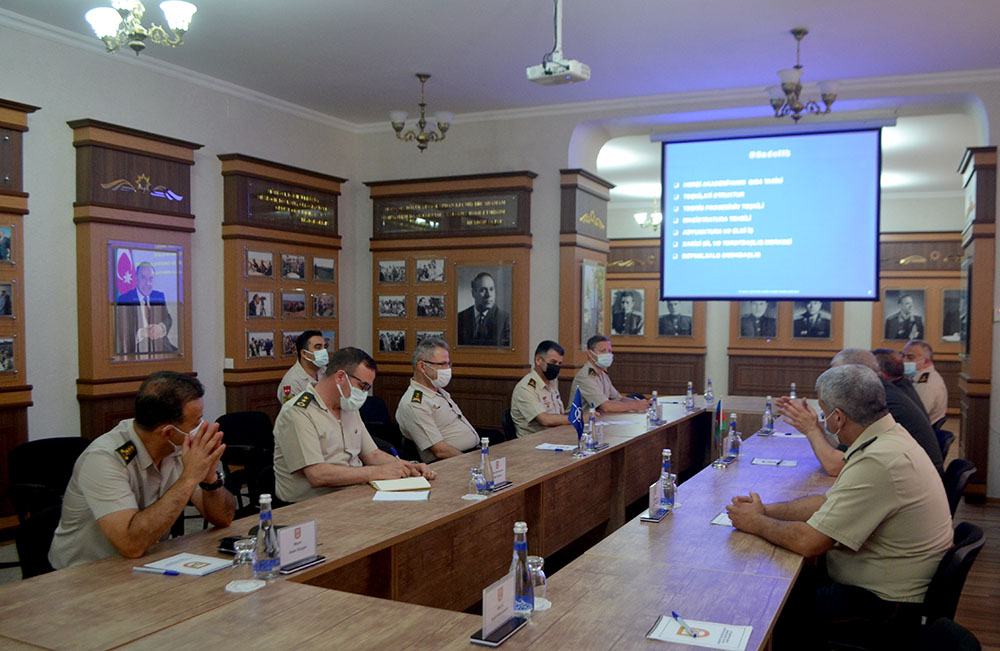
498 604
296 543
499 476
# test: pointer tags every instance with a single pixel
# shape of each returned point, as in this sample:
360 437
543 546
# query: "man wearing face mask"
320 442
535 403
426 413
595 385
908 415
131 484
918 364
313 357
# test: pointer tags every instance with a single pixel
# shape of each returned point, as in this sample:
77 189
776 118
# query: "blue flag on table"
576 413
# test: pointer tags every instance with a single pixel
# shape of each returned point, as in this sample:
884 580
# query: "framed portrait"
952 315
145 288
592 300
260 344
392 341
483 297
427 334
324 305
7 300
626 311
324 270
392 271
293 304
675 318
811 319
430 271
392 307
330 339
259 304
293 266
288 342
759 319
6 354
430 306
905 313
260 264
7 244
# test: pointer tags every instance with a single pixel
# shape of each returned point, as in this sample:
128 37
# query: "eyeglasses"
441 364
364 386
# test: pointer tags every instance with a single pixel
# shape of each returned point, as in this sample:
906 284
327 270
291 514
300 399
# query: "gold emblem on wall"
592 219
142 184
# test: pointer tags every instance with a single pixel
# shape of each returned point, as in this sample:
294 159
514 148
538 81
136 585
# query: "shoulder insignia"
532 383
591 371
924 378
305 400
418 396
127 451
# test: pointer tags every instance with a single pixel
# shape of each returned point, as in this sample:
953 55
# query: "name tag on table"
498 604
789 435
723 519
297 543
757 461
499 471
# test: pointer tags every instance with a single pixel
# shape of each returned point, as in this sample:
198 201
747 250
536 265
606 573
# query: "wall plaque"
278 205
495 213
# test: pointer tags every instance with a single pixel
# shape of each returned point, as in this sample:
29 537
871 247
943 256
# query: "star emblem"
142 183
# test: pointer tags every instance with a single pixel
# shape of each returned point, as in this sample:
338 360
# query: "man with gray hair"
884 525
918 363
426 413
904 411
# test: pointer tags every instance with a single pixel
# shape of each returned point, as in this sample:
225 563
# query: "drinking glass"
535 564
242 570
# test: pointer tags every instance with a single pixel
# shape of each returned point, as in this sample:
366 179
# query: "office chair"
949 579
945 439
956 478
509 429
378 422
945 634
249 439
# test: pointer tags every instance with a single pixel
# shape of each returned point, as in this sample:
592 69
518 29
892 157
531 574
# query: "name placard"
499 470
296 543
498 604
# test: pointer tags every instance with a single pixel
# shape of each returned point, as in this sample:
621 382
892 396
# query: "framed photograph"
392 341
905 310
7 244
483 301
7 300
392 307
323 270
759 319
324 305
626 311
293 304
6 354
675 318
426 334
145 288
430 306
952 315
811 319
592 300
293 266
330 339
259 304
392 271
260 264
288 342
430 271
260 344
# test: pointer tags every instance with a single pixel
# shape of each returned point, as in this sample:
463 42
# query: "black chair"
509 429
378 422
946 634
39 472
409 450
946 586
249 439
264 483
945 439
494 435
956 478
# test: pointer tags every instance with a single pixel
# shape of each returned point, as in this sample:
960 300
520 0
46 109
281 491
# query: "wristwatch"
215 485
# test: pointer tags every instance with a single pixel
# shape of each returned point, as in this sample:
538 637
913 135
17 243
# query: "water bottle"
591 419
791 394
768 426
266 563
709 394
734 443
669 492
484 463
666 483
652 418
689 398
524 588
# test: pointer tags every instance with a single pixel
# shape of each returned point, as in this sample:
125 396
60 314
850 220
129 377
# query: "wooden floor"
979 607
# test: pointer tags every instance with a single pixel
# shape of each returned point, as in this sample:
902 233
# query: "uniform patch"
924 378
305 400
418 396
532 383
591 371
127 451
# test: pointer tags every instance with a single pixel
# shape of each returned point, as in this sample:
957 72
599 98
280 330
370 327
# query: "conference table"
407 574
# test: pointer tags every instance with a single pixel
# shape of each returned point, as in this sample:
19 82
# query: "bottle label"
521 547
265 515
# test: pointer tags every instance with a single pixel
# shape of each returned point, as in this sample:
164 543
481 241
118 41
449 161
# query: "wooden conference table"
401 573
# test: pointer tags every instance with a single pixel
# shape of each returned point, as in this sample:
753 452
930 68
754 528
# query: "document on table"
785 463
194 564
555 447
723 519
401 496
790 435
618 421
709 635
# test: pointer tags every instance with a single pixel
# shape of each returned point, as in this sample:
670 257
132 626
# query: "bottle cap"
265 498
666 452
484 441
520 527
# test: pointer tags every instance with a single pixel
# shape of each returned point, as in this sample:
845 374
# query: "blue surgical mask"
909 369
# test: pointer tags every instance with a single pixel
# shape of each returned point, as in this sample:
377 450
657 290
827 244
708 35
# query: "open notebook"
407 484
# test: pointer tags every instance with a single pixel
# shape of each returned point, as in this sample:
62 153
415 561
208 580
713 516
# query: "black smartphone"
499 636
301 565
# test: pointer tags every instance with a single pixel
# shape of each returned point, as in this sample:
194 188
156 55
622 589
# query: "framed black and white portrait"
675 318
626 311
392 307
904 310
288 341
483 300
811 319
293 304
392 271
293 266
325 306
392 341
430 306
430 271
7 300
6 354
428 334
952 315
259 304
260 264
324 270
759 318
260 344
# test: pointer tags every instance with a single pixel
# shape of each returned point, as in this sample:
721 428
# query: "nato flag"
576 413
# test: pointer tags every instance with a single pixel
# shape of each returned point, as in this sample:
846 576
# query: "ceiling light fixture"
121 24
425 131
785 99
651 219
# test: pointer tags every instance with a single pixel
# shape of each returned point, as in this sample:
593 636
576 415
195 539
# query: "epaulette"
532 383
127 451
591 371
305 400
923 378
418 396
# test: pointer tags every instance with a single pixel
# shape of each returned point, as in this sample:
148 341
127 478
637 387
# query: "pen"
393 450
684 625
153 570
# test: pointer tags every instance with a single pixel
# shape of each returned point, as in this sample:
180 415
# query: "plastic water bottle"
768 426
591 419
524 586
733 444
709 394
484 462
652 418
689 398
791 394
266 563
666 482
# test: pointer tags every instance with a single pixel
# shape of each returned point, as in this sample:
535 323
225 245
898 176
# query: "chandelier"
650 219
785 99
425 131
121 24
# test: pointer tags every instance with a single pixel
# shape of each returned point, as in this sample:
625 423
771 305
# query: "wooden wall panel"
13 432
667 373
253 396
762 375
482 399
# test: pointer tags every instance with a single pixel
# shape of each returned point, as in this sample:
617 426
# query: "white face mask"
186 434
442 379
604 360
835 435
320 357
354 401
909 369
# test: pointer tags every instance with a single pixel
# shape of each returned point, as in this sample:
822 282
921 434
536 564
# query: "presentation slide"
772 217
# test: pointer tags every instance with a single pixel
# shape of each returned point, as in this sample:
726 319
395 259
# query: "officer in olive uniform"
595 385
535 403
308 369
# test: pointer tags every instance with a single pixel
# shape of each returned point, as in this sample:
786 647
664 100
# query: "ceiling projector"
553 73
